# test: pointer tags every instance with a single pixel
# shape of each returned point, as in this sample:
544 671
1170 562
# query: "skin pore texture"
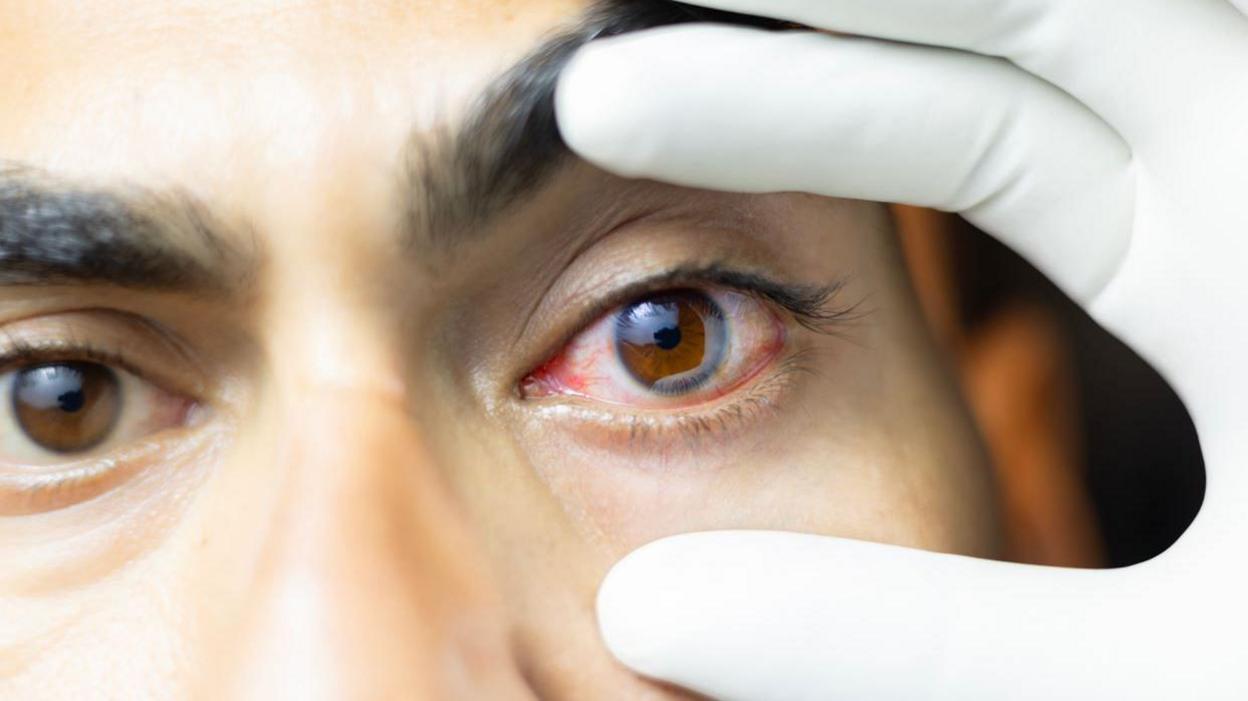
361 502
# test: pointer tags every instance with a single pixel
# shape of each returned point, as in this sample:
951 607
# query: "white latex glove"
1107 141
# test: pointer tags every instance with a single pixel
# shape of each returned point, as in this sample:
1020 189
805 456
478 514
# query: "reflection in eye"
671 343
58 410
686 345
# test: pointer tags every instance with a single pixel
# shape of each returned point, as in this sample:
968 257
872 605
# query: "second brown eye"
671 342
66 407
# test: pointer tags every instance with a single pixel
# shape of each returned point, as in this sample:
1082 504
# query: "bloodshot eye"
675 348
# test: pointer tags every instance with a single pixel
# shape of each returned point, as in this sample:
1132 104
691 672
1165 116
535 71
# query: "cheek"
844 474
120 645
783 478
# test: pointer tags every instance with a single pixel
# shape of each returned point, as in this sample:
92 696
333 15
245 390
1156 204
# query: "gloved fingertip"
638 608
621 615
594 103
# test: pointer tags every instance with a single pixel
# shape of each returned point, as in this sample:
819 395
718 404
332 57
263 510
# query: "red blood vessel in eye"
559 375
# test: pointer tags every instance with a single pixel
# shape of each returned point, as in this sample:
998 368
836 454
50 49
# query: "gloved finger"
738 109
1117 57
781 616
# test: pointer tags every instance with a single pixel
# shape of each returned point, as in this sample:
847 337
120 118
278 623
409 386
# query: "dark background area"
1145 473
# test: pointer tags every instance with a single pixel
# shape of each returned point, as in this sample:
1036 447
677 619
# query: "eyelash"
67 345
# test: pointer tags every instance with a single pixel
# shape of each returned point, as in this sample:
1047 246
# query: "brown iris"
673 337
66 407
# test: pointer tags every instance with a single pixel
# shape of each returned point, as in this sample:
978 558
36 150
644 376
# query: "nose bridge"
365 503
369 584
358 471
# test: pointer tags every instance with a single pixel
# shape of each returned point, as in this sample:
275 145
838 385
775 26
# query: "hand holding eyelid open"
1102 140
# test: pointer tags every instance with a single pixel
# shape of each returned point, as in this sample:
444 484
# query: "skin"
362 506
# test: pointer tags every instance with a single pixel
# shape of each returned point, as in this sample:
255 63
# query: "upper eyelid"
814 302
813 306
105 336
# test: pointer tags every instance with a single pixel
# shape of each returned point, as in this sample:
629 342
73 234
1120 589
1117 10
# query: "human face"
292 411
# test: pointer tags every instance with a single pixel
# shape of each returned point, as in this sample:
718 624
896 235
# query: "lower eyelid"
680 434
32 489
27 490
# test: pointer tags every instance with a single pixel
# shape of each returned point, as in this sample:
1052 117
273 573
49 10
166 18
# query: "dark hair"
511 140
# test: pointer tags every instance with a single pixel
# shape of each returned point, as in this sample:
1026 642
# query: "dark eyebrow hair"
54 233
510 143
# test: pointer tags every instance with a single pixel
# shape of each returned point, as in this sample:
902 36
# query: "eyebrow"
509 145
57 233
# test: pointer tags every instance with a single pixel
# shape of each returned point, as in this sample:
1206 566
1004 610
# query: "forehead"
211 94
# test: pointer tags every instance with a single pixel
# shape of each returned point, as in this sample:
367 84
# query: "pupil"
71 401
667 338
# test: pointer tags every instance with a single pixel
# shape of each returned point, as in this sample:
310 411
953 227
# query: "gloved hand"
1106 141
